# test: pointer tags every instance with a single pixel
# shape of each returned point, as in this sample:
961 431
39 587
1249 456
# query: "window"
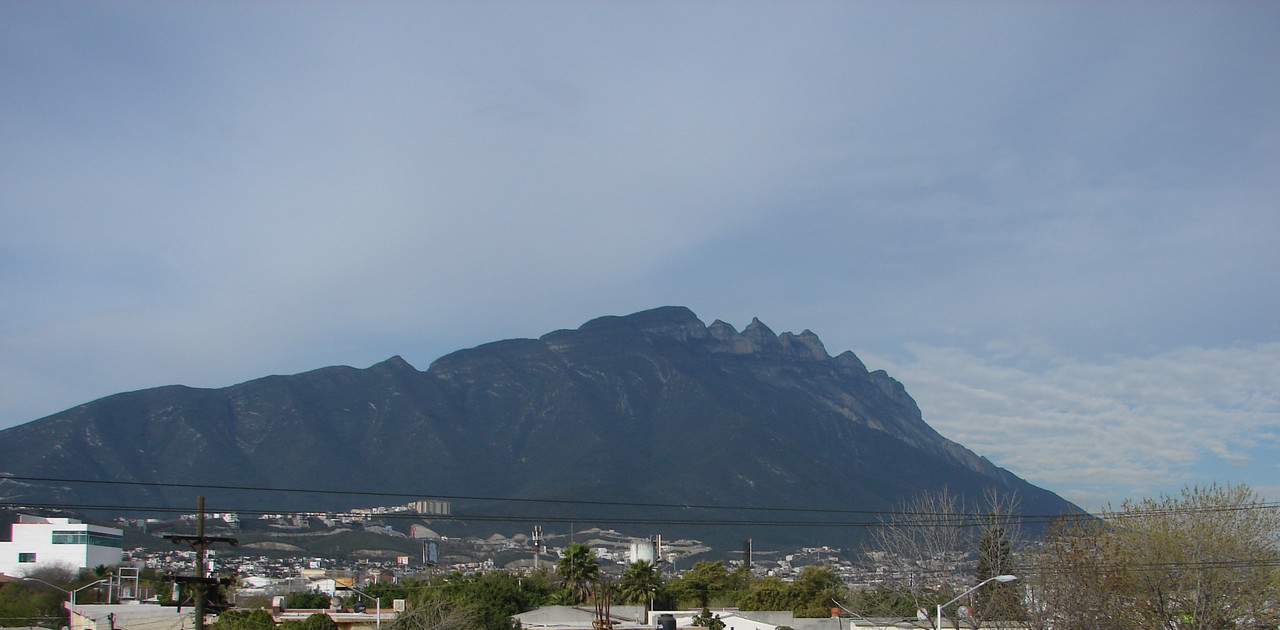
26 557
87 538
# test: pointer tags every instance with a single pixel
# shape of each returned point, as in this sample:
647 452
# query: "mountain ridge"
655 406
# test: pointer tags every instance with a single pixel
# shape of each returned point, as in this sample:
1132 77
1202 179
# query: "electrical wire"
882 518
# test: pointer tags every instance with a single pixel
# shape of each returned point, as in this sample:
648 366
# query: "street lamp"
377 604
71 594
998 578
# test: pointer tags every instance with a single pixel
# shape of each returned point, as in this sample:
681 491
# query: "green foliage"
996 600
816 588
768 594
578 568
810 595
319 621
305 600
705 619
705 583
245 620
31 603
639 584
491 598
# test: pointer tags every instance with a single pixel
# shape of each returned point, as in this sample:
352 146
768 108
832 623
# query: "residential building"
130 616
37 541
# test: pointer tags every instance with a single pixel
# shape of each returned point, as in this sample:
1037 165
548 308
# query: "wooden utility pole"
199 543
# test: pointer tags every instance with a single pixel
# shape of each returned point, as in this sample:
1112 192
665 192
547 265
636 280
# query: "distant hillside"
650 408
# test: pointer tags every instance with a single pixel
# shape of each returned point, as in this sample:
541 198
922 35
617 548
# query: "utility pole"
200 543
537 545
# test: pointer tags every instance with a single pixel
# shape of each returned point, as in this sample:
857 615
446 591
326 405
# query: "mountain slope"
654 407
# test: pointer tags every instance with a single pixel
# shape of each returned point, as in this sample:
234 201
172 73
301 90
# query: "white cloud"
1105 430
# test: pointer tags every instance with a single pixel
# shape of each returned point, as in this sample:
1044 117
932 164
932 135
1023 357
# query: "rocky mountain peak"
393 365
640 400
805 345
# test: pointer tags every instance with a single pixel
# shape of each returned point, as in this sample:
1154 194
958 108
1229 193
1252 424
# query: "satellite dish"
922 615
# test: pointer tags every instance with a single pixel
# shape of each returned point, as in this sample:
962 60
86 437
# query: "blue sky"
1054 222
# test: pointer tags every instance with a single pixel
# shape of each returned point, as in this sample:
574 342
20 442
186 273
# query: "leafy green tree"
31 604
768 593
40 600
810 595
244 620
996 600
737 583
702 584
639 584
705 619
578 569
496 596
306 599
815 590
319 621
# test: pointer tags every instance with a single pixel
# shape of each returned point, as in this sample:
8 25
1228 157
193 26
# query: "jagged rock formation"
654 407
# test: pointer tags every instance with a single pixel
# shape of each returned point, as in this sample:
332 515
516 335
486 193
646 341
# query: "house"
39 541
629 617
368 620
580 617
131 615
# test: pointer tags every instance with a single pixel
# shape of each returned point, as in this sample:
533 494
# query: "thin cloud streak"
1101 431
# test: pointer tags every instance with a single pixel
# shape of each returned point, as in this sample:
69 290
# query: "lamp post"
377 604
998 578
71 594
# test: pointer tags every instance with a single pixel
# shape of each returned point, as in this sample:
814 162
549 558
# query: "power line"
540 518
152 484
883 518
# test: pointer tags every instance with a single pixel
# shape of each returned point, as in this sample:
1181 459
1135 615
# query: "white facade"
37 541
642 551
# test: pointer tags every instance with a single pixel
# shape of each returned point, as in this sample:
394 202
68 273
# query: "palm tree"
578 569
640 583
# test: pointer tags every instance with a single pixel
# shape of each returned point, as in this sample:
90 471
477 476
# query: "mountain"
609 422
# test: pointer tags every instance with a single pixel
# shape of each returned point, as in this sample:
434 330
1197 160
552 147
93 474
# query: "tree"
639 584
815 589
318 621
578 569
30 604
306 600
884 601
702 584
495 596
433 611
706 620
926 540
1075 584
245 620
1204 560
998 535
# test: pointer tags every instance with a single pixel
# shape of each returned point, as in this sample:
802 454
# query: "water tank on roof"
642 551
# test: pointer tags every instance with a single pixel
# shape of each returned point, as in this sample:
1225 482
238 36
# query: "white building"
37 541
133 615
